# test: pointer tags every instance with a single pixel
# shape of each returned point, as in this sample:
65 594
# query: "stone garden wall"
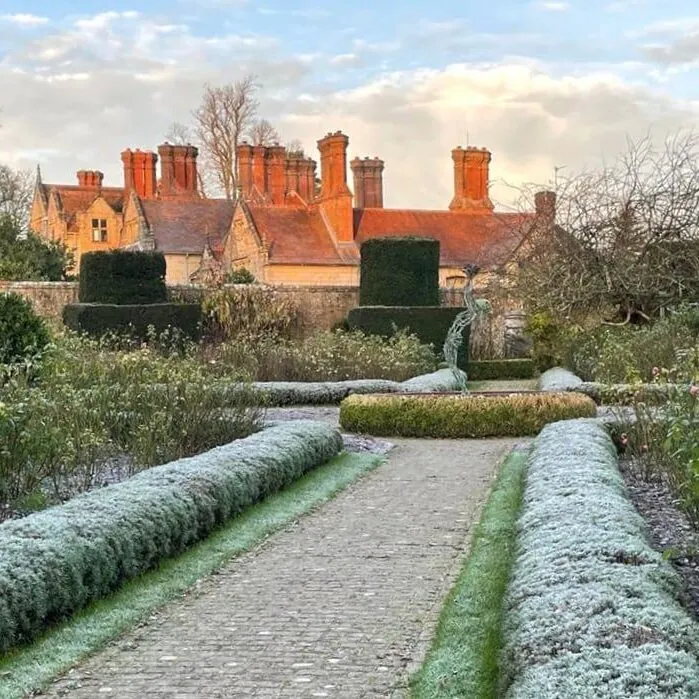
321 308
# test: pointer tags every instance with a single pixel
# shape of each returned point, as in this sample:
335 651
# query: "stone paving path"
341 604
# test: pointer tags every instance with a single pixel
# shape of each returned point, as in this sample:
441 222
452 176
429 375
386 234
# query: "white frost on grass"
591 609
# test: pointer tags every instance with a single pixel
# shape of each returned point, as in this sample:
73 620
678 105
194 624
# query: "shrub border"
558 379
33 667
463 658
591 608
54 562
494 369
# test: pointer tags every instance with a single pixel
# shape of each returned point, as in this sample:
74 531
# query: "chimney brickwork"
471 180
368 182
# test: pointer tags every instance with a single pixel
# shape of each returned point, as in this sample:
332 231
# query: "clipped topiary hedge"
99 318
55 562
122 277
430 323
491 369
399 272
460 416
591 609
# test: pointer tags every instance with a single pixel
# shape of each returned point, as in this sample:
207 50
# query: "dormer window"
99 230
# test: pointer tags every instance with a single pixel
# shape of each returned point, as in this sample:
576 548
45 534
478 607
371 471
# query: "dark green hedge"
429 323
55 562
491 369
98 318
399 272
122 277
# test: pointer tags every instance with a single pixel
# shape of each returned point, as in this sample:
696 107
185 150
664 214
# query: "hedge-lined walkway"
340 605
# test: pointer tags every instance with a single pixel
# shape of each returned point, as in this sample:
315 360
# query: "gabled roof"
487 239
185 226
72 199
298 236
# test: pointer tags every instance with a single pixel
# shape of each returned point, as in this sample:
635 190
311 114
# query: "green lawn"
34 666
463 660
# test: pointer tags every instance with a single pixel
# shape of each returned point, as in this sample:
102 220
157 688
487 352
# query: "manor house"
284 227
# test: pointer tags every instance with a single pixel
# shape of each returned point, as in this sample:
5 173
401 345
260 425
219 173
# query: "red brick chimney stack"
245 168
292 170
90 179
471 180
166 152
307 179
368 183
140 172
276 174
259 170
178 171
335 197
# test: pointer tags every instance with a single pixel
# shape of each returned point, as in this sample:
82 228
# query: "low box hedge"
460 416
430 323
97 319
55 562
493 369
591 608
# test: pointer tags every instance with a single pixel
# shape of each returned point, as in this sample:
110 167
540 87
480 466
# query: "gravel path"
341 604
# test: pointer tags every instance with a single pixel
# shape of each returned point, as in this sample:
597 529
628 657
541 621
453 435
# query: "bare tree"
225 114
180 134
16 193
625 244
295 148
262 133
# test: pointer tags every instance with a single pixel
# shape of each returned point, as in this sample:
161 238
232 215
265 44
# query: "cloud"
553 6
118 89
673 42
25 20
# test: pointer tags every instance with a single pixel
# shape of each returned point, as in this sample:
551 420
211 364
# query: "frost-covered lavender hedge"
54 562
334 392
591 609
558 379
628 394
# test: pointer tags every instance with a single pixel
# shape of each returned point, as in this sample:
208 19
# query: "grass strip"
33 667
463 659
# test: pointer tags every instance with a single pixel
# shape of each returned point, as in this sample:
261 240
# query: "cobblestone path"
341 604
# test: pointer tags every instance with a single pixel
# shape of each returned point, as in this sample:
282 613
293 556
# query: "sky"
541 84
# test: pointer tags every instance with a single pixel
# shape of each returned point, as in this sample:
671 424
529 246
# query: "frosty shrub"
591 609
558 379
54 562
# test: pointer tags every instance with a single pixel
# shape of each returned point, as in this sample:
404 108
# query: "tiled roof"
74 199
487 239
298 236
184 226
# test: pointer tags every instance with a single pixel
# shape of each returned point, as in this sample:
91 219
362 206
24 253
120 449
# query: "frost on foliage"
333 392
558 379
320 392
591 609
441 380
56 561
